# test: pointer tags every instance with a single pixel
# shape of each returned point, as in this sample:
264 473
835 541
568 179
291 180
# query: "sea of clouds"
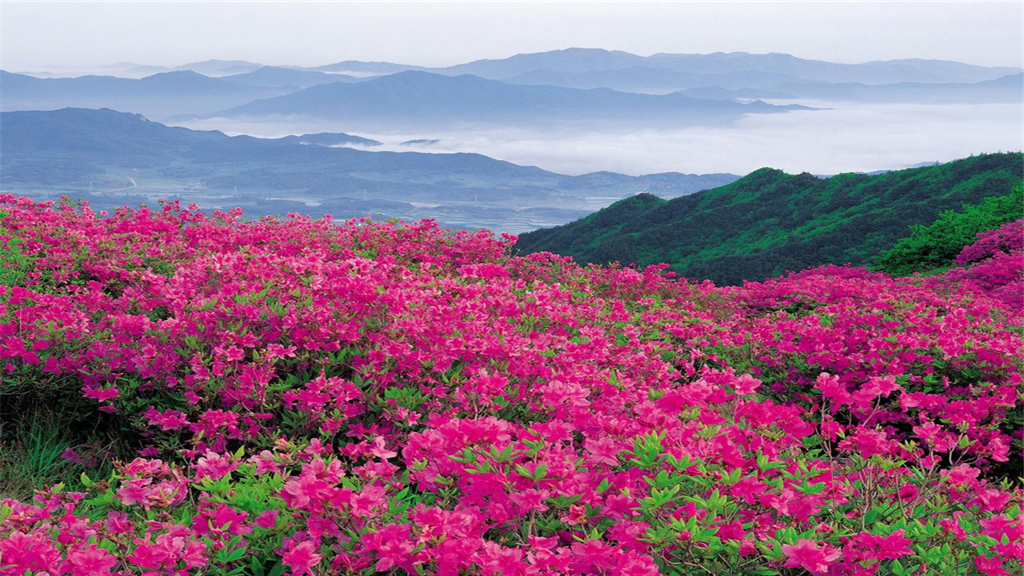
835 137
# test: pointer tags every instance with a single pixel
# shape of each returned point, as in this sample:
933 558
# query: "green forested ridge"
938 244
769 222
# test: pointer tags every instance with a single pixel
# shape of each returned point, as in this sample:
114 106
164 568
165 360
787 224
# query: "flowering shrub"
938 244
995 264
374 397
1008 238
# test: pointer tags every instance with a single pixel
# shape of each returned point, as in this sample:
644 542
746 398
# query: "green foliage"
937 244
769 222
13 264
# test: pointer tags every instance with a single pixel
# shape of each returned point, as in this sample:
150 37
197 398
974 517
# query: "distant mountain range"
422 100
769 222
774 67
160 95
753 76
562 86
114 158
579 60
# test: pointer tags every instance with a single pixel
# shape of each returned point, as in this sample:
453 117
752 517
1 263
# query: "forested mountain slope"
769 222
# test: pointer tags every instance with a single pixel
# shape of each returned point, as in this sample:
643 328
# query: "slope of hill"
422 99
769 221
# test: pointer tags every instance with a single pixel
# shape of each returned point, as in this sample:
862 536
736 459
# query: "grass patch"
45 443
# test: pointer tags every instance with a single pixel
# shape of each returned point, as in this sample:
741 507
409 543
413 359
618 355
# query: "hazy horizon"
120 65
91 35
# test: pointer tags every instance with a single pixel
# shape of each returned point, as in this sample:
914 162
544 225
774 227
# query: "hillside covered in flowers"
293 396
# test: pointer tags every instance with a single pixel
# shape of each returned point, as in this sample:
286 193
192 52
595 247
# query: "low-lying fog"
840 137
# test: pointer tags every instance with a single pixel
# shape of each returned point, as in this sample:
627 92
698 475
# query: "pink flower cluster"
994 264
376 397
1008 238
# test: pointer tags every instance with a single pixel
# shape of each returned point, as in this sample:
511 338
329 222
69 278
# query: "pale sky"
37 35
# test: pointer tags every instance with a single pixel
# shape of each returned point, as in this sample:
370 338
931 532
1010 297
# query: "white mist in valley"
835 137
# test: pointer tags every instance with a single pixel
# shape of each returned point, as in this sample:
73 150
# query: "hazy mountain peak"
190 74
580 51
217 62
220 67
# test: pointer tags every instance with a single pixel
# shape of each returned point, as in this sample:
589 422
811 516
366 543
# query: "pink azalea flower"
90 561
832 389
746 384
267 519
990 566
101 395
215 466
810 556
603 451
301 558
28 553
531 499
299 493
379 451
